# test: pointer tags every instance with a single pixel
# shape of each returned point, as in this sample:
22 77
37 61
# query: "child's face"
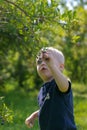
43 70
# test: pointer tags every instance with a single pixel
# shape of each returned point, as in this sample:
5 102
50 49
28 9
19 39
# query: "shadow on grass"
22 104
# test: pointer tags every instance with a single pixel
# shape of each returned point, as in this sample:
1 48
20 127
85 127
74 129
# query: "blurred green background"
25 27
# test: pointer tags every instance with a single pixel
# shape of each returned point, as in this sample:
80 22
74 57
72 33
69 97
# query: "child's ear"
62 67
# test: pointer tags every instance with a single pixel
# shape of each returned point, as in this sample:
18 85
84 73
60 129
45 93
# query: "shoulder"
68 90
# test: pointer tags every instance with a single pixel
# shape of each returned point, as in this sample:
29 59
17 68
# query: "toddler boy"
55 97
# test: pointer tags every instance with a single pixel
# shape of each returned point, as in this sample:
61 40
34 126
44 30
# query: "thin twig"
17 7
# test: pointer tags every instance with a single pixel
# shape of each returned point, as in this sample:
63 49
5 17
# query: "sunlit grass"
80 105
23 104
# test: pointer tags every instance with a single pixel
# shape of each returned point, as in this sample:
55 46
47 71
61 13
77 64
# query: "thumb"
31 125
45 56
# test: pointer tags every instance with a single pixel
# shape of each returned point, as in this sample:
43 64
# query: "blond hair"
59 54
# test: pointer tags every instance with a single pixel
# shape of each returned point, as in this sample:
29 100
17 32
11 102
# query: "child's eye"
39 61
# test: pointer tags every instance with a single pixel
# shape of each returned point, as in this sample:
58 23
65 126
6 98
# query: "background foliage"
6 115
28 25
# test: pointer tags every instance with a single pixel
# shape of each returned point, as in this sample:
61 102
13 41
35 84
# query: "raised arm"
60 78
56 67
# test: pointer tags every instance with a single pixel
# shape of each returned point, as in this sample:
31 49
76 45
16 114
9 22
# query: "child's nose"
43 63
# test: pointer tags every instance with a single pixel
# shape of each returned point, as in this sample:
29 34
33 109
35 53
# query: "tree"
26 26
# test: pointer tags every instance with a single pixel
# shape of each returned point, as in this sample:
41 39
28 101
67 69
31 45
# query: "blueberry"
0 117
2 123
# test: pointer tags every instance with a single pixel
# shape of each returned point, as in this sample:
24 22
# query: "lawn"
25 103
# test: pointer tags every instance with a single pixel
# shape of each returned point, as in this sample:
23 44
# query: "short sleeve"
69 88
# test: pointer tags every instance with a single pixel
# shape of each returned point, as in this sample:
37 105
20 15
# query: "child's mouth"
43 68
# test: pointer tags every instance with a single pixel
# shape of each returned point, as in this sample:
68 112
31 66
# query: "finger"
27 122
44 49
31 125
45 53
45 56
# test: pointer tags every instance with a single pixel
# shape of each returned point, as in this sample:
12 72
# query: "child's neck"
48 80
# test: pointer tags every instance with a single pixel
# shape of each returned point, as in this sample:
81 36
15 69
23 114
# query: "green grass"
23 104
80 105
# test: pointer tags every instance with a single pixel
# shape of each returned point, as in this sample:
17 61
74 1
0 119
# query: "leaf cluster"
26 26
6 115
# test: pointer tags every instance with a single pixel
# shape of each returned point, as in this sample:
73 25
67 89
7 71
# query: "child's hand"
50 56
30 121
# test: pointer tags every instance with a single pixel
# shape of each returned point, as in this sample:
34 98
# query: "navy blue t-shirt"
56 108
